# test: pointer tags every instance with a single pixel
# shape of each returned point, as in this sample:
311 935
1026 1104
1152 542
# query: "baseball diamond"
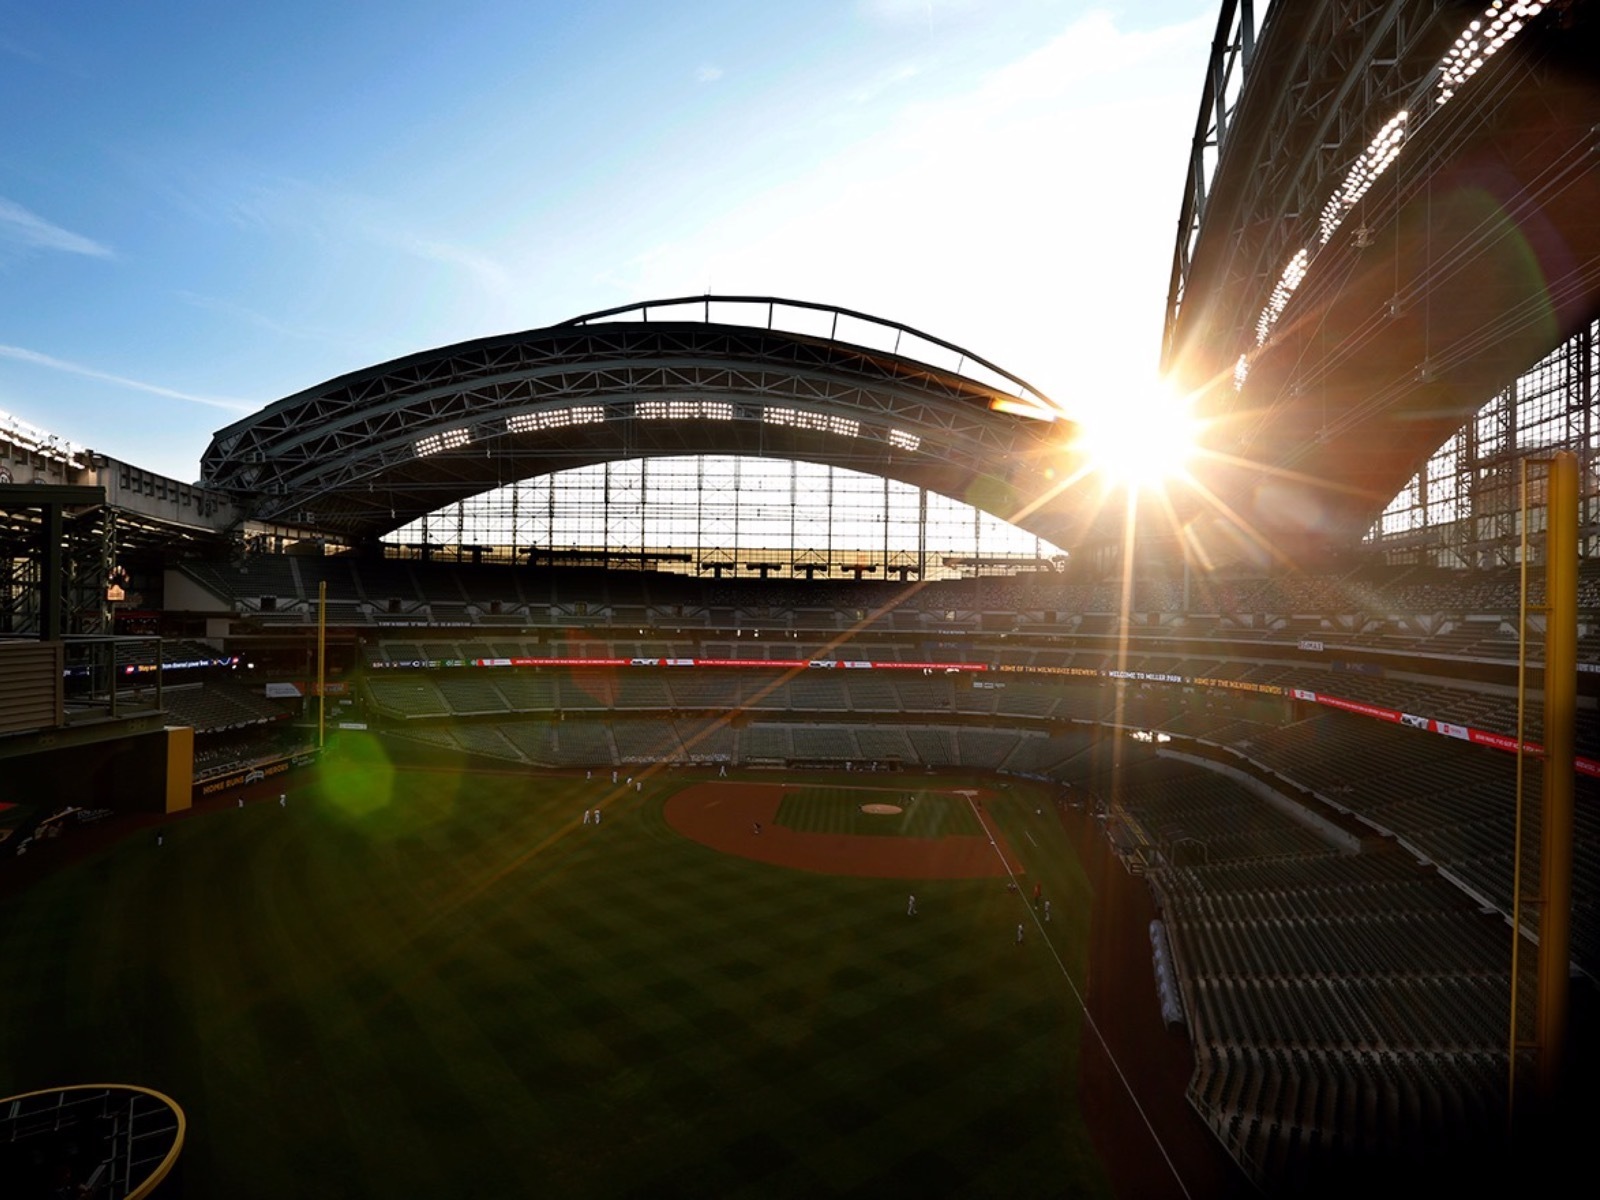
721 815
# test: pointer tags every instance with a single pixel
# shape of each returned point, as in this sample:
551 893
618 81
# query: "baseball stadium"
735 745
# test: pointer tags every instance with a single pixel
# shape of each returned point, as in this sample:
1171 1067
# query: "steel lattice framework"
1275 127
1343 320
368 452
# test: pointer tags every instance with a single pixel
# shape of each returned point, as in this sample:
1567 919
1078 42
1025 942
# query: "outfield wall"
142 772
258 772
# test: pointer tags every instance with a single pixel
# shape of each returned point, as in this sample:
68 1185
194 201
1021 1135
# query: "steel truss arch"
1341 319
1306 102
370 451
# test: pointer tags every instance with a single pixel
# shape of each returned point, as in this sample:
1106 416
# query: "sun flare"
1141 441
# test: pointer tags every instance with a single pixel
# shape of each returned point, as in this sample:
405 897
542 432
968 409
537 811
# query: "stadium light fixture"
821 422
1480 40
450 439
1291 278
683 410
902 440
555 418
1373 162
36 441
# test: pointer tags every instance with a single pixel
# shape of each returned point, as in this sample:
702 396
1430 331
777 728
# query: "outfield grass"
824 808
441 984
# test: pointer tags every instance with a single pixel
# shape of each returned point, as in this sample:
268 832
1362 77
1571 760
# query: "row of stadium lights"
1476 44
1480 41
32 440
662 410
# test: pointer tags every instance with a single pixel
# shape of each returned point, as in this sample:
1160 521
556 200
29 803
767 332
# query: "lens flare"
1139 441
357 779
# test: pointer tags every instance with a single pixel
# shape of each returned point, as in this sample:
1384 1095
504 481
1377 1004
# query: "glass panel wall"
727 515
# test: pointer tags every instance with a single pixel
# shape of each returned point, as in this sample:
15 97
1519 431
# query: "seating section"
985 749
1414 611
934 747
584 742
706 740
871 694
884 744
407 696
485 740
534 741
647 742
1340 1003
1450 804
527 692
765 743
825 743
817 691
469 695
210 707
1046 757
717 691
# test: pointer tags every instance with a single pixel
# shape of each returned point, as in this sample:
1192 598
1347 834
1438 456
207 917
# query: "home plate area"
833 829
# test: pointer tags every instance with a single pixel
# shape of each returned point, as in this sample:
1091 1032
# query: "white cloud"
34 358
281 205
888 79
708 74
899 11
260 320
486 271
24 228
7 46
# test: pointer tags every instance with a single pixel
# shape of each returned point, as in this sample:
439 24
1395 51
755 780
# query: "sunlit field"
434 983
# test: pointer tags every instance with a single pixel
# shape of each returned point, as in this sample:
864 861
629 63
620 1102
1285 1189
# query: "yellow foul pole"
1516 836
322 660
1560 708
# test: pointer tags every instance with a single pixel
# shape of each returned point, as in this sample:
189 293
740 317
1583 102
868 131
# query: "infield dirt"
724 816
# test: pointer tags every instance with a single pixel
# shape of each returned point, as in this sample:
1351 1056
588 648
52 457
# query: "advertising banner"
1375 711
776 664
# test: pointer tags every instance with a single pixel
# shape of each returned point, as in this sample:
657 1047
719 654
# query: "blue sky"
206 207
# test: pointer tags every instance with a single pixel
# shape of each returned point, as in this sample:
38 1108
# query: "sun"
1140 440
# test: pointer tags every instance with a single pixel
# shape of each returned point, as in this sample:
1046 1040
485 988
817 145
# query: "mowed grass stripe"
838 809
528 1004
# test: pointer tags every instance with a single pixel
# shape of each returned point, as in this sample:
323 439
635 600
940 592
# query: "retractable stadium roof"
372 450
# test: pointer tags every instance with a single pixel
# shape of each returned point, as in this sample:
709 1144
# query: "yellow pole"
1560 709
322 660
1516 836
